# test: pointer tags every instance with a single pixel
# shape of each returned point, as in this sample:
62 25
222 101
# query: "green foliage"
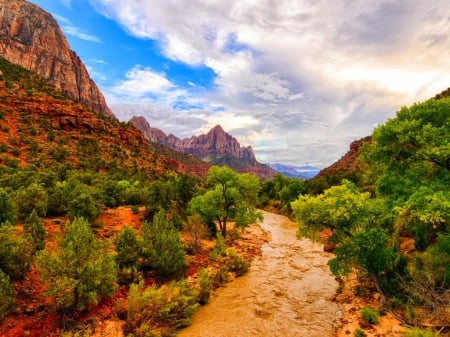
369 315
82 204
32 197
127 248
7 211
33 227
160 311
16 252
236 263
230 196
79 271
205 286
6 295
162 247
417 332
220 247
359 333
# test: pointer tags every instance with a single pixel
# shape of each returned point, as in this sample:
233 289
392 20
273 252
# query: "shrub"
80 271
220 247
416 332
237 264
15 252
7 212
6 295
127 247
159 311
162 247
359 333
33 197
205 287
369 315
33 227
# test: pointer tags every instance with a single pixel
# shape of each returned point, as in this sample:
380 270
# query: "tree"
410 160
360 227
33 227
16 252
230 196
7 212
163 248
33 197
127 247
6 294
82 205
79 271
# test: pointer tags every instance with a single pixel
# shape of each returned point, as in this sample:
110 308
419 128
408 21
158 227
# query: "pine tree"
80 271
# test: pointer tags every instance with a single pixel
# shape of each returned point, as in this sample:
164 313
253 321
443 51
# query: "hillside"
215 147
31 38
41 126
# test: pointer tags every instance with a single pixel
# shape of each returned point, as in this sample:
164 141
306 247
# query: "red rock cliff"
32 38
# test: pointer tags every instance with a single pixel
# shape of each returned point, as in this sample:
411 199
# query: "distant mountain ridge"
216 148
292 171
31 38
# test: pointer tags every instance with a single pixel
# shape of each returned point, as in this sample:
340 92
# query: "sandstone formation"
32 38
216 147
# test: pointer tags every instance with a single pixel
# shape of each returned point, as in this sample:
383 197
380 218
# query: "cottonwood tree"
79 270
230 196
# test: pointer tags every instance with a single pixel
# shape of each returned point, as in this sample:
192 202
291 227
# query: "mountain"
216 148
31 38
291 171
42 127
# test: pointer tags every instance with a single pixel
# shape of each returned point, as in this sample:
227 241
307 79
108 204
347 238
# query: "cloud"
68 28
296 79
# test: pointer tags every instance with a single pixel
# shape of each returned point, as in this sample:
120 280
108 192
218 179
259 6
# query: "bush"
7 212
359 333
127 247
33 227
33 197
80 271
162 247
159 311
205 287
237 264
15 252
6 295
416 332
369 315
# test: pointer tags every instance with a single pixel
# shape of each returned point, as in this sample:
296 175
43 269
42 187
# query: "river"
287 292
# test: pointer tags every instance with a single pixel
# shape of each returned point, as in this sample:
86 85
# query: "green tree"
6 294
7 211
127 247
360 227
163 248
16 252
33 227
230 196
79 271
32 197
83 204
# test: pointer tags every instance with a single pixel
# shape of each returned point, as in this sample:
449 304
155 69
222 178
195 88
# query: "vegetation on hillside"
64 165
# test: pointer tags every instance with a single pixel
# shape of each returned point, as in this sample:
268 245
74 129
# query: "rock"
215 144
31 38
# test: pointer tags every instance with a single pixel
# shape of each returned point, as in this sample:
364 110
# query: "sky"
298 80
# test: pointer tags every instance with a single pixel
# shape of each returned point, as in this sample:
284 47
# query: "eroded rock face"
211 147
32 38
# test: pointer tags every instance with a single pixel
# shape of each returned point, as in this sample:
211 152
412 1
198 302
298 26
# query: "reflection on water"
287 292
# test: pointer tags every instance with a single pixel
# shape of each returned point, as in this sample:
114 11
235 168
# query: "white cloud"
312 73
68 28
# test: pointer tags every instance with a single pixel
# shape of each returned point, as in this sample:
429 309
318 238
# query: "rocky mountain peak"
31 38
215 147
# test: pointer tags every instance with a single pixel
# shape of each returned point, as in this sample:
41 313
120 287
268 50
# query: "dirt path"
287 292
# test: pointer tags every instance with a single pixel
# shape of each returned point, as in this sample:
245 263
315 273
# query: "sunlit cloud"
295 79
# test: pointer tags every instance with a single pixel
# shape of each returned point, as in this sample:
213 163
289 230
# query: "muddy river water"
287 292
